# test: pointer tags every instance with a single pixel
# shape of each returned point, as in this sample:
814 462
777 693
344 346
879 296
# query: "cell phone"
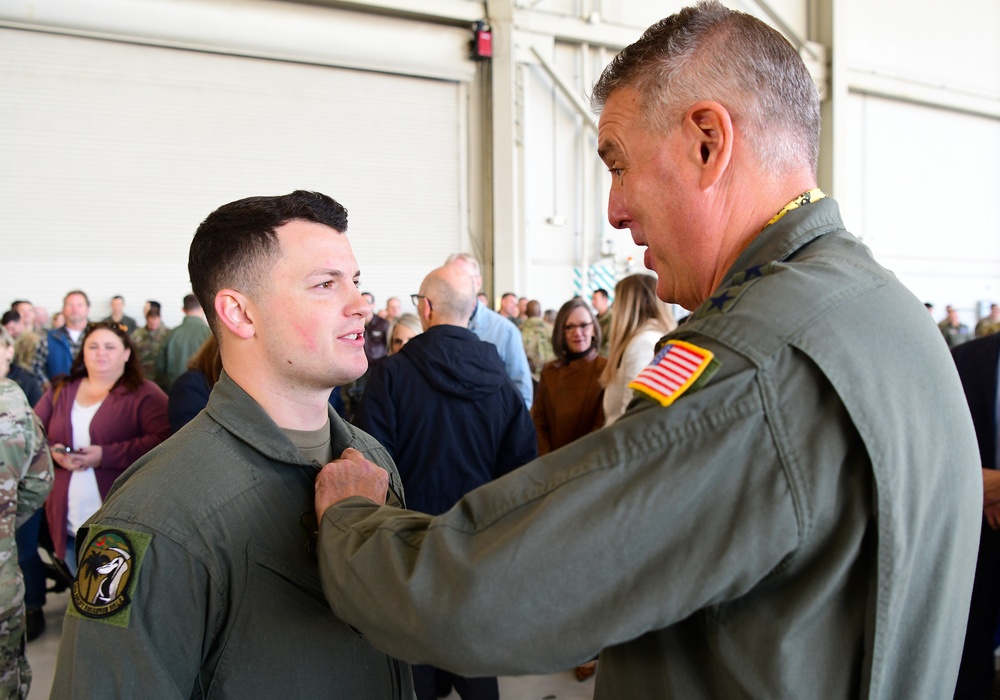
70 450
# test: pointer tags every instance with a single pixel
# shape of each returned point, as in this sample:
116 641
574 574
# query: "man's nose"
618 215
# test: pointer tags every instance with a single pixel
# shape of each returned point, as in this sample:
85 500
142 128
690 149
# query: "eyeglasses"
415 299
570 327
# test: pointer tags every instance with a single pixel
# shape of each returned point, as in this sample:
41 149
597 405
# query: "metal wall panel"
113 153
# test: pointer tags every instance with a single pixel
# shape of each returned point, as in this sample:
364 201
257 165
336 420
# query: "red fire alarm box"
482 42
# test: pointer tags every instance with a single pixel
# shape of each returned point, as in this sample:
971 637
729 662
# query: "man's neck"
291 407
435 322
751 212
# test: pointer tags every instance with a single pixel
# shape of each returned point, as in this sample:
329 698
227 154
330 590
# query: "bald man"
449 415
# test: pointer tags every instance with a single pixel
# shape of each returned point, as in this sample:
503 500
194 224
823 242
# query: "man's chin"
356 372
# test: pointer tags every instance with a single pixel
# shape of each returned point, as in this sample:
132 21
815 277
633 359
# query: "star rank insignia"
739 283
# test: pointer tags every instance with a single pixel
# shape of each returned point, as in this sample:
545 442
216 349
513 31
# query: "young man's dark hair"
236 244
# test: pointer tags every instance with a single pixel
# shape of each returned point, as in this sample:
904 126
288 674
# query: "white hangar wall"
916 143
124 125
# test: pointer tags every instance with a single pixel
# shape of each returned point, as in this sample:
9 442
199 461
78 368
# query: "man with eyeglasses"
494 328
448 414
776 515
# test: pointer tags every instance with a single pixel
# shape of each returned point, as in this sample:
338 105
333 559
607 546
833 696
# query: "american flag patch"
674 369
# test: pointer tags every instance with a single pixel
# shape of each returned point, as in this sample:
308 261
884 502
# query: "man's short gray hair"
709 52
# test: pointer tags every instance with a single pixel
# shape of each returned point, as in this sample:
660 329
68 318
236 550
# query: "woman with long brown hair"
100 418
639 321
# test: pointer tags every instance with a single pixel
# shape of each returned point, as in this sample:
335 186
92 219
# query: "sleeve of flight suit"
626 530
152 646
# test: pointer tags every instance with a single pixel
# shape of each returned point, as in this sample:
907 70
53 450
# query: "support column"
506 258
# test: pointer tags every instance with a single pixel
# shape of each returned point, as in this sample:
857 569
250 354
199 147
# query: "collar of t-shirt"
315 445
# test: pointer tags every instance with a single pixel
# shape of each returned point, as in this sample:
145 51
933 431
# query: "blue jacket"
449 415
28 382
60 353
490 326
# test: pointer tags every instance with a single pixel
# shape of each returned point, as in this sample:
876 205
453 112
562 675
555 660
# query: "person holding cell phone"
100 418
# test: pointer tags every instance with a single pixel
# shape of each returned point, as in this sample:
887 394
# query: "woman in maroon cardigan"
127 418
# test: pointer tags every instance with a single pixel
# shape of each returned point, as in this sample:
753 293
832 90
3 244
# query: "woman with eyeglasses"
100 418
568 403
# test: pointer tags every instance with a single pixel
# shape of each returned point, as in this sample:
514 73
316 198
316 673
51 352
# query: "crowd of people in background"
955 332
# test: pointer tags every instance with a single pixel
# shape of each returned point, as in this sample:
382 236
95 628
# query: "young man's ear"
711 129
233 310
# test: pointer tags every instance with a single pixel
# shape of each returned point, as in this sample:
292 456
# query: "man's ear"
425 313
233 310
711 129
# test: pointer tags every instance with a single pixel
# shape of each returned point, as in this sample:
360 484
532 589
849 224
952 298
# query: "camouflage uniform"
987 326
605 321
537 337
25 480
148 343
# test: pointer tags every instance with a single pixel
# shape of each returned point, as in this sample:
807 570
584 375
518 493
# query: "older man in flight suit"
777 516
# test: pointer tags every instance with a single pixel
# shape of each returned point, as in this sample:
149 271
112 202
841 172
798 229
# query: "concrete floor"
42 656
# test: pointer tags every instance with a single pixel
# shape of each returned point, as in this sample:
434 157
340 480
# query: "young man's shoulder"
201 467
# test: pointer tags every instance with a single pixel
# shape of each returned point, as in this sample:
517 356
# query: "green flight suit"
223 597
795 527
